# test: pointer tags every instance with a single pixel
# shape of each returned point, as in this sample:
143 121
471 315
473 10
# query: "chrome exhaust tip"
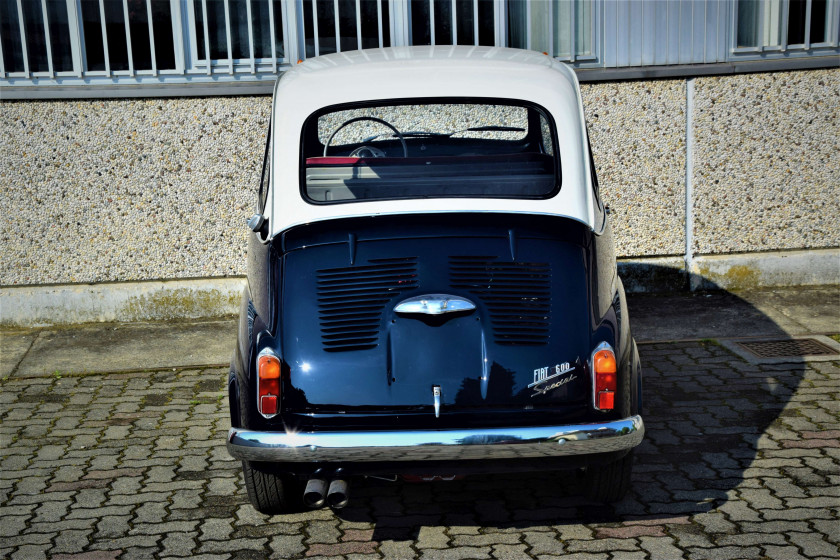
338 494
314 493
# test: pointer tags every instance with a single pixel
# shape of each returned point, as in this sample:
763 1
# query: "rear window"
383 151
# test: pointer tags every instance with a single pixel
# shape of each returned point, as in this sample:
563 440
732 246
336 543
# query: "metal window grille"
48 47
779 26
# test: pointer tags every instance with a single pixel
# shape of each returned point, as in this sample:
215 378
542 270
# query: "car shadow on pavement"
709 415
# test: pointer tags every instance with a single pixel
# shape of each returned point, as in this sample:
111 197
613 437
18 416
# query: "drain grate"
787 348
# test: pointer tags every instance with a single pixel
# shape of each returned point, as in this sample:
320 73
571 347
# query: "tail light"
268 384
604 377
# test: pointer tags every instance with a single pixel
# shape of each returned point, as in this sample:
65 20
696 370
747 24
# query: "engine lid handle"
434 304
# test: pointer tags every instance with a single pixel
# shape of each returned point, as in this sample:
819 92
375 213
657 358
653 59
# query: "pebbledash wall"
134 209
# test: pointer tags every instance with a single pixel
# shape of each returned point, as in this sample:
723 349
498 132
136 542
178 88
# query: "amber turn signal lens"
269 368
604 362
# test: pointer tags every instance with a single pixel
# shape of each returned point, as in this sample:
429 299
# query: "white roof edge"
427 72
293 225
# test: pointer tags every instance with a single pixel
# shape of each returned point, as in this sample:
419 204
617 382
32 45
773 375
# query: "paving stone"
725 553
783 553
784 488
141 541
462 553
323 532
812 546
68 541
51 512
94 555
509 551
747 539
28 552
543 542
179 544
216 529
398 549
13 525
575 556
737 510
139 553
797 513
574 532
831 530
819 502
660 548
233 545
286 546
433 537
601 545
112 526
162 528
97 513
66 525
487 539
760 498
340 549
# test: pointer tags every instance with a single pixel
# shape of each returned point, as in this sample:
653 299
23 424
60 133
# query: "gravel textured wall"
637 132
153 189
767 161
127 189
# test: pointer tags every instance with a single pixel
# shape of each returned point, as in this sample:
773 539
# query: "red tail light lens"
604 377
268 384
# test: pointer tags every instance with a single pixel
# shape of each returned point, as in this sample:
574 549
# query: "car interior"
430 150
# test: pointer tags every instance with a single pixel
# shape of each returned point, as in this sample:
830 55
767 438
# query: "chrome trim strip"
431 445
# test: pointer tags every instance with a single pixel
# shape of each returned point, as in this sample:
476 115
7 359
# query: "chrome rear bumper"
437 445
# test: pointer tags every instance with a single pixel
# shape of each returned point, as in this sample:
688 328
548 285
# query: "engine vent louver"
517 295
351 300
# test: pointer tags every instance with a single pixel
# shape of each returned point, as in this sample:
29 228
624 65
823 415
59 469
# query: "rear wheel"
610 482
269 492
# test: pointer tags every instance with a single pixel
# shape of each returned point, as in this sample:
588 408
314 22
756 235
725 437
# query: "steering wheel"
361 150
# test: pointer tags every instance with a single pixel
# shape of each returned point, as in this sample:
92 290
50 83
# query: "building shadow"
707 411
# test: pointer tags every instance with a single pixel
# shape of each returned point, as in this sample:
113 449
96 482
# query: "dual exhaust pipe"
317 494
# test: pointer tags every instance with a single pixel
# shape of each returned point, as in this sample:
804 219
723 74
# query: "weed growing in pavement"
710 341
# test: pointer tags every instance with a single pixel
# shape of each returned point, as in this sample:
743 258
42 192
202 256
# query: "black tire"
610 482
269 492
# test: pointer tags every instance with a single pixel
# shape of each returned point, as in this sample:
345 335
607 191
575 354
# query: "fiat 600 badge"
432 285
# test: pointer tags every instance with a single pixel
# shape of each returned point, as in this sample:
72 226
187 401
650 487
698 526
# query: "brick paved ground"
740 461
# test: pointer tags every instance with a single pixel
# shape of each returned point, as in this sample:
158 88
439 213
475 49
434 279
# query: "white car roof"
426 72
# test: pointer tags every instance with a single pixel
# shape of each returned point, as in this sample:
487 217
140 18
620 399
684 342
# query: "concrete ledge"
31 306
734 272
766 270
653 274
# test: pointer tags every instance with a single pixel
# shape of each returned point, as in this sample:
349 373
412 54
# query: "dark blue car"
432 287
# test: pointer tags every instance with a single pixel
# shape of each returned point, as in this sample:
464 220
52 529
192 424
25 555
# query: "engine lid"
455 322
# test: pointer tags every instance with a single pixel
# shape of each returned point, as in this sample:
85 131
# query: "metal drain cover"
785 350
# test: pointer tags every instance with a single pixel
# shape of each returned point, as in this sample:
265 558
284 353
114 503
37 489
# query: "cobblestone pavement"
739 461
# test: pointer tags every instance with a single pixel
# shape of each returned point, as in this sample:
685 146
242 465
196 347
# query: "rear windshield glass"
429 150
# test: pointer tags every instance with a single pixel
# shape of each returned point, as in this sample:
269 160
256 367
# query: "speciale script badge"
548 378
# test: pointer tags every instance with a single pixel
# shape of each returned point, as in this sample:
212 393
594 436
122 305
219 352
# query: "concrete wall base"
733 272
763 270
33 306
